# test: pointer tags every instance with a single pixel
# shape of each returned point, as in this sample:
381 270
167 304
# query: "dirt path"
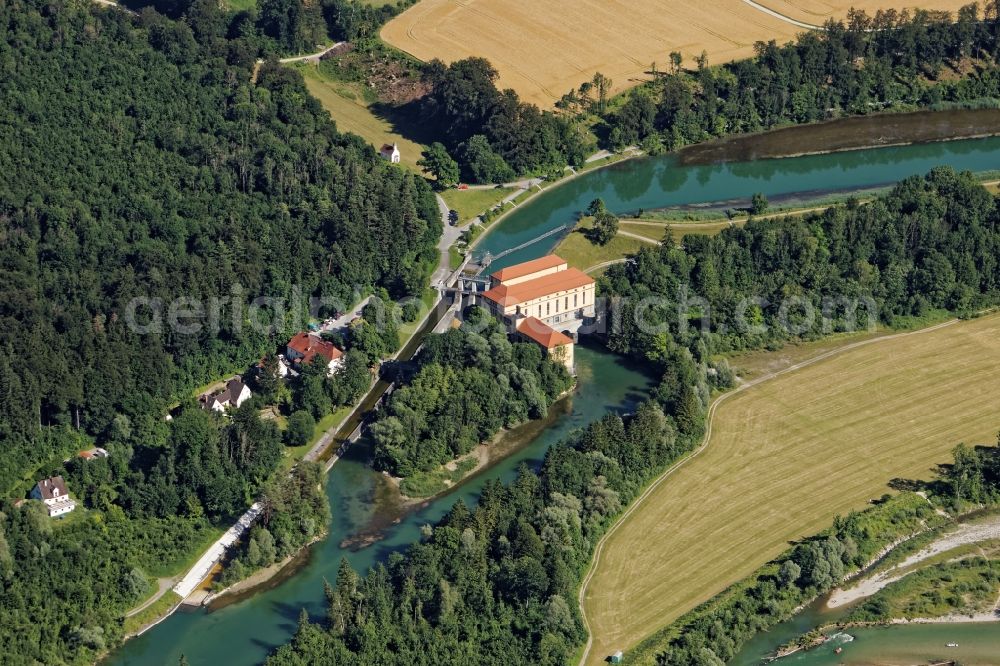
605 264
315 57
163 586
782 17
964 535
707 439
629 234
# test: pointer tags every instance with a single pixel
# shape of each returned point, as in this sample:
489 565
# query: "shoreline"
879 130
491 452
627 154
263 579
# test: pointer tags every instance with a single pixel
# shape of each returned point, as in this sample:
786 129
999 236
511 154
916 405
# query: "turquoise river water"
245 632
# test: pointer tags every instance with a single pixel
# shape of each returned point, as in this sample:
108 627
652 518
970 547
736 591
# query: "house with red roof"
305 346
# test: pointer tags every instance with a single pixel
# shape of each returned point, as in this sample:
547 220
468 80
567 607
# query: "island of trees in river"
149 157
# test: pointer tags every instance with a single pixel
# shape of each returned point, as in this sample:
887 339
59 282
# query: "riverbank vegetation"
968 586
718 628
471 382
295 512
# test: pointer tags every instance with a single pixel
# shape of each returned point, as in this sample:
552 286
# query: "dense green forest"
471 383
932 242
157 178
276 27
868 64
139 158
497 584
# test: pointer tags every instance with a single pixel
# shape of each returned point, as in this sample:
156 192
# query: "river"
898 645
662 182
245 632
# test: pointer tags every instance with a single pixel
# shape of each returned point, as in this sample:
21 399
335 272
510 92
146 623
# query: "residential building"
303 348
52 492
390 152
91 454
233 395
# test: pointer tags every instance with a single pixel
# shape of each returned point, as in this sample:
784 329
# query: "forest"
497 584
471 382
140 158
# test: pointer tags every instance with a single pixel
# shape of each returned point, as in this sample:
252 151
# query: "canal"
245 632
662 182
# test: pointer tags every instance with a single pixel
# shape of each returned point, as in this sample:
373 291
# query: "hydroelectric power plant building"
543 300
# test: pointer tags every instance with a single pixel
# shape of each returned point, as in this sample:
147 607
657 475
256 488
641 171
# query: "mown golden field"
783 458
544 48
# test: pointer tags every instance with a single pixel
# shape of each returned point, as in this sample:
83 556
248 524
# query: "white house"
304 347
52 492
390 152
234 395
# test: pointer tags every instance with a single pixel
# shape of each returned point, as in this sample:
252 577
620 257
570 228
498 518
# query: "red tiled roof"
308 345
86 455
512 294
537 330
528 267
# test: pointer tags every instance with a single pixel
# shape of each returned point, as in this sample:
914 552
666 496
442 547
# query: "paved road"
163 586
204 565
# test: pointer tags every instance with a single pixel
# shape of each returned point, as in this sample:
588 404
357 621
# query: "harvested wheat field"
784 456
543 49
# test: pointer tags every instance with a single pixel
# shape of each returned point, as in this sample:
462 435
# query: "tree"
301 427
789 573
268 377
437 162
758 204
966 474
675 62
595 207
603 85
482 164
605 227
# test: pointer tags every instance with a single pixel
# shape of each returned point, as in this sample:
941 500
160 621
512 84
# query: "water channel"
245 632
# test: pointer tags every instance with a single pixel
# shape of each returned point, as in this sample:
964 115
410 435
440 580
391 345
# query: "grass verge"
470 203
152 612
